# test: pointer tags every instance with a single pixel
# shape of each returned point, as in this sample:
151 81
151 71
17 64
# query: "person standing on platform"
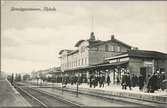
136 80
108 80
100 80
141 82
152 83
103 80
124 83
128 81
118 80
133 80
91 81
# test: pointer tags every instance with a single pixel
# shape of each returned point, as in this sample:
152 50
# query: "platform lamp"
77 84
62 78
37 79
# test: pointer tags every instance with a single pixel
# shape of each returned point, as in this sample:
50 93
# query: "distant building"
45 72
2 75
26 77
90 52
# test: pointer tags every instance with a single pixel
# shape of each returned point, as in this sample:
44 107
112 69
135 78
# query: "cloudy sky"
31 40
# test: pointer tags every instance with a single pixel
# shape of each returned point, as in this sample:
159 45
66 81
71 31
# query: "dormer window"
111 48
106 47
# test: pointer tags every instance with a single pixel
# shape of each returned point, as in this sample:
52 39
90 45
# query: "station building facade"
112 57
89 54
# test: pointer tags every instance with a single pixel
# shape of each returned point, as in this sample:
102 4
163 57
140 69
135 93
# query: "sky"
31 40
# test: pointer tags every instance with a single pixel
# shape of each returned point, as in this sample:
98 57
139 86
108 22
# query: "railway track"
92 95
38 98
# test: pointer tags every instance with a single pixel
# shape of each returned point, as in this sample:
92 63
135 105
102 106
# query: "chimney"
92 36
112 37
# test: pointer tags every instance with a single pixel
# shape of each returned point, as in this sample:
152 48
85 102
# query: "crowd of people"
99 80
151 83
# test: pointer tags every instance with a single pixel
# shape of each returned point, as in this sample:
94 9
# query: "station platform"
116 90
9 97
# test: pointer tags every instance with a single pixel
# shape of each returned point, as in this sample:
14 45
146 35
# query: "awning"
81 68
99 66
113 64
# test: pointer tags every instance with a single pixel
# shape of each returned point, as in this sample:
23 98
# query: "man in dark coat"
136 80
152 83
124 83
118 81
141 82
102 79
96 80
91 81
108 80
133 80
128 81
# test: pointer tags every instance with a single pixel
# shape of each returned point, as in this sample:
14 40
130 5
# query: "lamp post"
77 85
37 79
62 81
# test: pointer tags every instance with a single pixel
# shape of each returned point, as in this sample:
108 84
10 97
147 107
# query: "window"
82 62
82 49
78 62
118 48
106 47
112 48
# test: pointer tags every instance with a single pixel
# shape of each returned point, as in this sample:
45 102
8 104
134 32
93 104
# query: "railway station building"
89 54
112 57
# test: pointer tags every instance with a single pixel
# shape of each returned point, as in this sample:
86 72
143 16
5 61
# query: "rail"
46 93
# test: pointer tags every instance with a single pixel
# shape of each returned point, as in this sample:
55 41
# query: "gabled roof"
112 40
68 51
94 43
79 42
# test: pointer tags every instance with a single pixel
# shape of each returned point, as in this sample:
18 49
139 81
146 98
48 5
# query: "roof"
81 68
72 52
113 64
91 42
141 54
112 40
94 43
99 65
79 42
148 54
68 51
